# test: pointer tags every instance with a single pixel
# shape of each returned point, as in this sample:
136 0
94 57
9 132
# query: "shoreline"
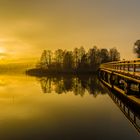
41 72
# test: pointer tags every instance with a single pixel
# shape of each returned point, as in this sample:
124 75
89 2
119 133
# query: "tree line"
78 60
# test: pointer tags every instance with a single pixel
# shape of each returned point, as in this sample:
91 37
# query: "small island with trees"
78 61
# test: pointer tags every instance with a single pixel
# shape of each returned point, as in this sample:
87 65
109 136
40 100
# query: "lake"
60 108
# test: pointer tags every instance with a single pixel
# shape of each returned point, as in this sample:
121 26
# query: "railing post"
134 119
124 67
139 88
128 66
112 79
128 112
134 66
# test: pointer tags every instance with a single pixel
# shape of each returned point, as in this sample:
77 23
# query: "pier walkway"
124 77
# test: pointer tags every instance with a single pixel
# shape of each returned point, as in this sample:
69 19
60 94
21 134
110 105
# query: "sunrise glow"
47 24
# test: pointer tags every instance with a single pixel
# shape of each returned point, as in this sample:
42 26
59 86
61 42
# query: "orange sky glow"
30 26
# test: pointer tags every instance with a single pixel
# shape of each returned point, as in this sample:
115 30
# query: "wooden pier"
124 77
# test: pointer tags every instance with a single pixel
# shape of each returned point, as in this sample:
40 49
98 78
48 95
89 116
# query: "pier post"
128 66
112 80
134 66
134 118
139 88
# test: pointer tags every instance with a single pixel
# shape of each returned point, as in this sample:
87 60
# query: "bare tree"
114 54
77 60
137 48
104 55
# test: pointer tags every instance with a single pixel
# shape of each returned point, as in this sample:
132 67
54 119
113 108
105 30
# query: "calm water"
60 108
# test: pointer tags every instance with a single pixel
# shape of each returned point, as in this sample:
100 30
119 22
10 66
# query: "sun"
2 53
2 50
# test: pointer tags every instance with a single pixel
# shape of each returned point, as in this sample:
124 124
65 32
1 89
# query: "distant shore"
43 72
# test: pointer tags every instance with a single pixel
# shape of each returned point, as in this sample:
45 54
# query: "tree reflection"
45 84
78 85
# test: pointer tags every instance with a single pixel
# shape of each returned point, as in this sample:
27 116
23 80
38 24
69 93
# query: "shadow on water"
128 108
131 112
78 85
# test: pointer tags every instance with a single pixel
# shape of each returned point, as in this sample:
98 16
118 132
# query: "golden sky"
29 26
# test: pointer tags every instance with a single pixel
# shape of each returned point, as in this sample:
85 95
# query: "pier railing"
132 66
123 77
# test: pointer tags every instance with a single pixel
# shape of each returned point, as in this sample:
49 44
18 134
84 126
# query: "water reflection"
131 112
76 85
28 114
88 84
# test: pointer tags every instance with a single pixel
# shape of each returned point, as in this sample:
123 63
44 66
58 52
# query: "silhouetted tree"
45 59
81 53
104 54
68 61
114 55
59 56
94 58
77 60
137 48
84 66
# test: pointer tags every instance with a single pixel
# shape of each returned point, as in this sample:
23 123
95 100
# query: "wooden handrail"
125 65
